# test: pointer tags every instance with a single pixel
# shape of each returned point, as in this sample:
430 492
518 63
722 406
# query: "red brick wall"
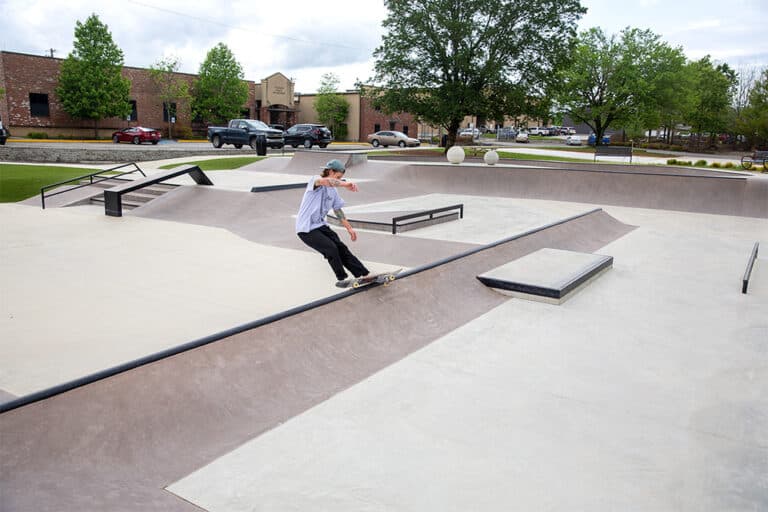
22 74
369 117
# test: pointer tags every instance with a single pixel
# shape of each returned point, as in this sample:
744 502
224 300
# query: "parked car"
245 132
507 132
308 135
469 132
592 139
4 134
568 130
137 135
573 140
392 138
522 137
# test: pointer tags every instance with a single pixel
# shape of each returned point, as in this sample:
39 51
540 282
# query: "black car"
4 134
308 135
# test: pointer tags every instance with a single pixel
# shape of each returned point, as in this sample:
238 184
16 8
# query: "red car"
137 135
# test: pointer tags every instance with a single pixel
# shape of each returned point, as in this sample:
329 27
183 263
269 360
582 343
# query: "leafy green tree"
753 119
713 90
669 90
332 108
612 80
91 85
172 89
442 60
220 91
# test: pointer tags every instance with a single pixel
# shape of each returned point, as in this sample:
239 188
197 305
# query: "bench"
113 198
756 158
620 151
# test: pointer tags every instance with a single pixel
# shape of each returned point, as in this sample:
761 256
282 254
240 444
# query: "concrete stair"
133 199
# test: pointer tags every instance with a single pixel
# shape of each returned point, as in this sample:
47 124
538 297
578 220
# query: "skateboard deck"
383 278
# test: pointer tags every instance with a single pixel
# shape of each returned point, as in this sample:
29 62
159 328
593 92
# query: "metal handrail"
91 182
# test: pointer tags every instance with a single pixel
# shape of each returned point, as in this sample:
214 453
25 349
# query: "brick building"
30 104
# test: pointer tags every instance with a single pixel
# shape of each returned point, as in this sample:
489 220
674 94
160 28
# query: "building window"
38 105
405 129
377 127
166 114
392 125
134 115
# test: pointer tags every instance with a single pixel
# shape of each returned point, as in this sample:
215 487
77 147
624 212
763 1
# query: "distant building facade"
30 104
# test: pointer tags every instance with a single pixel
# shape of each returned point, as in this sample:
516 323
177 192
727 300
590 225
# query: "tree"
332 109
172 89
753 119
220 92
442 60
91 85
714 87
612 80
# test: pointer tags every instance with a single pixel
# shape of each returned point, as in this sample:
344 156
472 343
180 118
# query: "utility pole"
52 50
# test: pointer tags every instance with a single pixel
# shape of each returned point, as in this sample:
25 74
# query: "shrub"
728 165
700 163
37 135
716 165
183 132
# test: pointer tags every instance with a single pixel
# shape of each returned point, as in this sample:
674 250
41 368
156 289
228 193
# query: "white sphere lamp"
491 157
455 154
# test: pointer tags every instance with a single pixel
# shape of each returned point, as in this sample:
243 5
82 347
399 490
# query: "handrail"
424 213
91 182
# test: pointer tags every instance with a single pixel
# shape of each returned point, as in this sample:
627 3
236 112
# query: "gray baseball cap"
335 165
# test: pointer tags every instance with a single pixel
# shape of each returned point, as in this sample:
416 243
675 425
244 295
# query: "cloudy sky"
304 39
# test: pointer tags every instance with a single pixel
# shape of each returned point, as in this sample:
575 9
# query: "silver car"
392 138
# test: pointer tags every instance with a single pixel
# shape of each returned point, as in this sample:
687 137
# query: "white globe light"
491 157
455 154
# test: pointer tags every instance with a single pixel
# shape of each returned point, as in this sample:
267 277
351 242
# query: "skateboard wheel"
356 284
390 278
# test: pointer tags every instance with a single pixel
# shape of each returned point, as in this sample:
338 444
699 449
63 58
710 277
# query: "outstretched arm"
343 219
333 182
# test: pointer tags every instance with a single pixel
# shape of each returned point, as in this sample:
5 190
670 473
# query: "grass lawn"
219 164
19 182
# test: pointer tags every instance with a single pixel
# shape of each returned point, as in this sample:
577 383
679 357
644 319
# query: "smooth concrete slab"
648 393
548 275
82 292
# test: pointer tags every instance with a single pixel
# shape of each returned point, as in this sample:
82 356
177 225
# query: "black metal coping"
157 356
544 291
748 271
272 188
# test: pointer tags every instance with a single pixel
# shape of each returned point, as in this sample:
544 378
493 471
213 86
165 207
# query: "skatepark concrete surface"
194 355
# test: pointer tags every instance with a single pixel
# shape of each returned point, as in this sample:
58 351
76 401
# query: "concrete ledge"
547 275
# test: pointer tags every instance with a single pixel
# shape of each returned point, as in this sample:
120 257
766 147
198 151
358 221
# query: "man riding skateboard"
320 197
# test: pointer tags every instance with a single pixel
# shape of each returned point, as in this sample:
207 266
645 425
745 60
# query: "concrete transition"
644 391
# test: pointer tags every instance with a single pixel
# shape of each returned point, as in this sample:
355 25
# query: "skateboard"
384 278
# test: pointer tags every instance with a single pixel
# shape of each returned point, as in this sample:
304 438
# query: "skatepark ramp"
739 195
589 230
261 374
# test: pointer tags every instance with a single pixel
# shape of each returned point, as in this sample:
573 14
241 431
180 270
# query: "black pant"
325 241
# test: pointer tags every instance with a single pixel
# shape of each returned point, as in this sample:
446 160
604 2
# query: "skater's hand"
352 233
351 186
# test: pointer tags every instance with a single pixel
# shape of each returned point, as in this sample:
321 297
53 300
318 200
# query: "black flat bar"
271 188
748 271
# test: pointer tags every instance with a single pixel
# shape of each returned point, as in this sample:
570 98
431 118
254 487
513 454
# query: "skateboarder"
320 197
